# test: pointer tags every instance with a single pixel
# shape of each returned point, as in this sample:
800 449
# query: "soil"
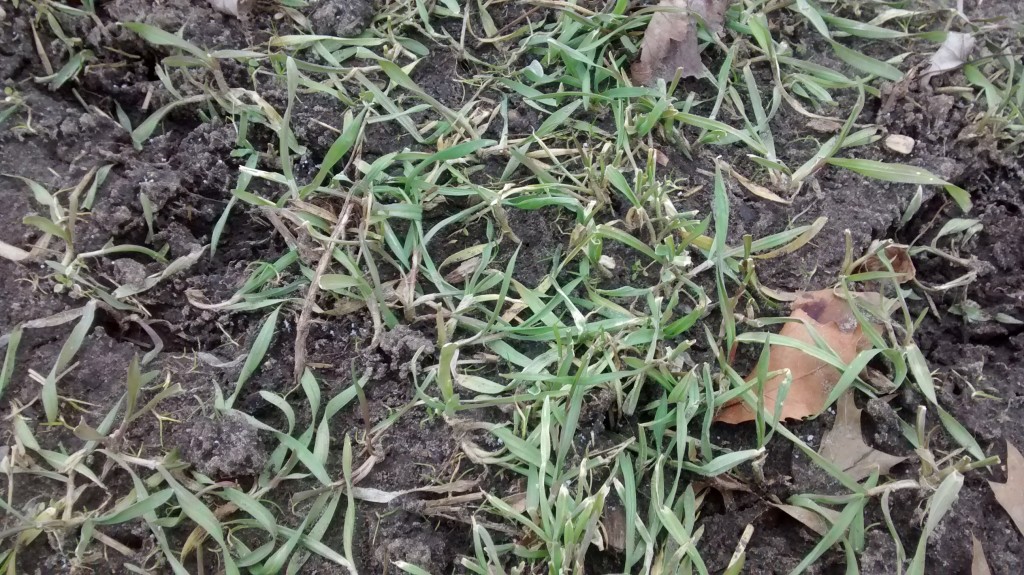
186 170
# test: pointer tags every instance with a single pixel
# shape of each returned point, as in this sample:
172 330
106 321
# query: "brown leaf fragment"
814 521
824 125
899 259
614 522
463 271
979 565
1011 494
813 379
844 444
757 189
725 485
670 42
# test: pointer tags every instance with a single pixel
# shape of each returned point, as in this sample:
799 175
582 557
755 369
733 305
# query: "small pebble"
900 144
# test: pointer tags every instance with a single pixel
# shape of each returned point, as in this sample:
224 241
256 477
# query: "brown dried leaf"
825 125
725 485
979 565
899 259
614 522
844 444
813 379
670 41
463 271
814 521
757 189
1009 494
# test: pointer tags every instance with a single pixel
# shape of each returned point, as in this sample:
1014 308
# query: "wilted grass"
536 351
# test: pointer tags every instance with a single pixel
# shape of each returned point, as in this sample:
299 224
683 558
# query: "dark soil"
186 170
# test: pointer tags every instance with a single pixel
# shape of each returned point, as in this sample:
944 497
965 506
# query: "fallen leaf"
463 271
899 258
952 54
813 379
824 125
517 501
817 522
670 41
614 522
725 485
979 565
844 444
13 253
1009 494
660 157
757 189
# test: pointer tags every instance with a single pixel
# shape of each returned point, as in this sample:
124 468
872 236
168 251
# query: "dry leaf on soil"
813 379
844 444
1010 494
815 521
899 259
614 522
979 565
670 41
952 54
13 253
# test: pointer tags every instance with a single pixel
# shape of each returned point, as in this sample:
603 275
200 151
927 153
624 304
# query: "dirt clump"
342 18
395 352
225 446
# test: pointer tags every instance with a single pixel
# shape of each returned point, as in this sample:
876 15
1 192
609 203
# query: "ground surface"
406 431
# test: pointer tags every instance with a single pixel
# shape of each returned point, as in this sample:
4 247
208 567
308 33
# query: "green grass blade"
903 174
256 353
9 358
67 353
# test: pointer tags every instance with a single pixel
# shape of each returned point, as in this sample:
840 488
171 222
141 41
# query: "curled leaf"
831 317
670 42
898 257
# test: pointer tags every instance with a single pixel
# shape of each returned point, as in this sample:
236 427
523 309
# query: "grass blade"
903 174
256 354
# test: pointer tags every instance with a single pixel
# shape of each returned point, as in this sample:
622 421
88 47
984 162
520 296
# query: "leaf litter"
952 54
844 444
979 565
1009 494
899 261
833 319
670 42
